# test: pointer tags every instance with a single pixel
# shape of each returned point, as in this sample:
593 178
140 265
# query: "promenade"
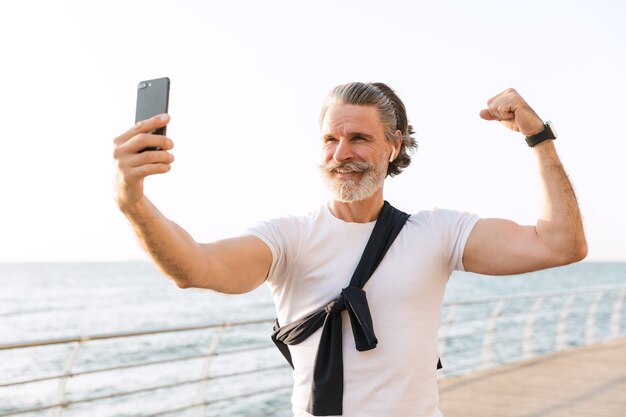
589 381
586 381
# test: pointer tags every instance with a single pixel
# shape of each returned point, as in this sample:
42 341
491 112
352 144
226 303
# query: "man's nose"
343 152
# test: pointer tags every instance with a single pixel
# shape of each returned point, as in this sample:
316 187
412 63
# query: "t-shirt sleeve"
452 229
279 235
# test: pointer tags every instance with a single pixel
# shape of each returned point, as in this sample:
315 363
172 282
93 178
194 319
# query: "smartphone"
152 98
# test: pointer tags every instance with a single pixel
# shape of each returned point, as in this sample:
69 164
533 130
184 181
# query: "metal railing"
474 334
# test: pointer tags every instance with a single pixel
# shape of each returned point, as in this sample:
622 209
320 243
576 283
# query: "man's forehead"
347 118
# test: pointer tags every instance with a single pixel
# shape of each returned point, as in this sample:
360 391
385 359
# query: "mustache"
353 166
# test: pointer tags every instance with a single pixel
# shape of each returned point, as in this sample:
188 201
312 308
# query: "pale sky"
248 79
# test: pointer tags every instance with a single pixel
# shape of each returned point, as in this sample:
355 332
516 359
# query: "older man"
310 262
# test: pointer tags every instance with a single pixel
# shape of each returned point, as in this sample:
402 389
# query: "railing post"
445 326
491 326
562 324
590 323
204 373
528 329
67 369
616 314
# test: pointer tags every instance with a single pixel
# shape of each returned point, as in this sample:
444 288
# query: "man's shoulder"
441 218
304 217
288 223
438 213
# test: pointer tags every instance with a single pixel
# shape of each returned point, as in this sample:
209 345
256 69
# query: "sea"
47 301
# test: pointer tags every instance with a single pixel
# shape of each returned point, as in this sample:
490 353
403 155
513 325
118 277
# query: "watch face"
552 128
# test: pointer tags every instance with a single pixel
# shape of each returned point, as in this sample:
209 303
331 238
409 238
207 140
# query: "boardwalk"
584 382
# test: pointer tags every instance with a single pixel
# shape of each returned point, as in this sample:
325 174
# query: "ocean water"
48 301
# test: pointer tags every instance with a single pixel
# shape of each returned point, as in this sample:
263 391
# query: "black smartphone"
152 98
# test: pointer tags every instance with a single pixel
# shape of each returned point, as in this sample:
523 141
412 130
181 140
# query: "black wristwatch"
548 132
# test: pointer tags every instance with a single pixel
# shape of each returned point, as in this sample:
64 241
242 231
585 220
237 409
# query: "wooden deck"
583 382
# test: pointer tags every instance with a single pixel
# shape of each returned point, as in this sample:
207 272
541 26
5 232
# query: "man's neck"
363 211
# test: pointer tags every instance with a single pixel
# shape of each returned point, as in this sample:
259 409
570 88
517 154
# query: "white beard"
347 190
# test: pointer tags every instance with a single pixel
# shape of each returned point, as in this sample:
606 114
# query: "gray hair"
391 112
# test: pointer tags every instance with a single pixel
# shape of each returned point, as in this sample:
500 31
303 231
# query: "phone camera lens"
142 85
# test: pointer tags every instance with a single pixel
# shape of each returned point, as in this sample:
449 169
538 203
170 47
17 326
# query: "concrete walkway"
584 382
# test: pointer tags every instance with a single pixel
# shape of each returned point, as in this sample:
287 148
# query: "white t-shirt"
313 258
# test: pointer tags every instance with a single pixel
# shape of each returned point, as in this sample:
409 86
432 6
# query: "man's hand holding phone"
133 165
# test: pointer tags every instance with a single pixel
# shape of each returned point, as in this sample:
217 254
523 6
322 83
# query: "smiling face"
355 153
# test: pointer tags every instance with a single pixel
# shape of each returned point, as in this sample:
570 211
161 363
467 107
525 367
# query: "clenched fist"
133 165
510 109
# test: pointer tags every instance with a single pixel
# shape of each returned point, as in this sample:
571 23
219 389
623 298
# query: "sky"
248 79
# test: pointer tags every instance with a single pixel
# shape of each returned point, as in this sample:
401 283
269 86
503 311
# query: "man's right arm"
231 266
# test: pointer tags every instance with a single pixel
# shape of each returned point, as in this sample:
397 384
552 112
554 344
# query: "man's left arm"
502 247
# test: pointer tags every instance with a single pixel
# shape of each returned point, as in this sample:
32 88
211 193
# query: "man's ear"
396 146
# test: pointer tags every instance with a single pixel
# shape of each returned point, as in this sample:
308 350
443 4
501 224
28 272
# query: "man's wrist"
134 209
548 132
538 128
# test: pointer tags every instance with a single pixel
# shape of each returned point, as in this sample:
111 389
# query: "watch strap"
547 133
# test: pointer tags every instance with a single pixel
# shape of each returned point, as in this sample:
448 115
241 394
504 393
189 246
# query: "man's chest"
411 272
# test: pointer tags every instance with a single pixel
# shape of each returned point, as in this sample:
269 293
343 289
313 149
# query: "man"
307 261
